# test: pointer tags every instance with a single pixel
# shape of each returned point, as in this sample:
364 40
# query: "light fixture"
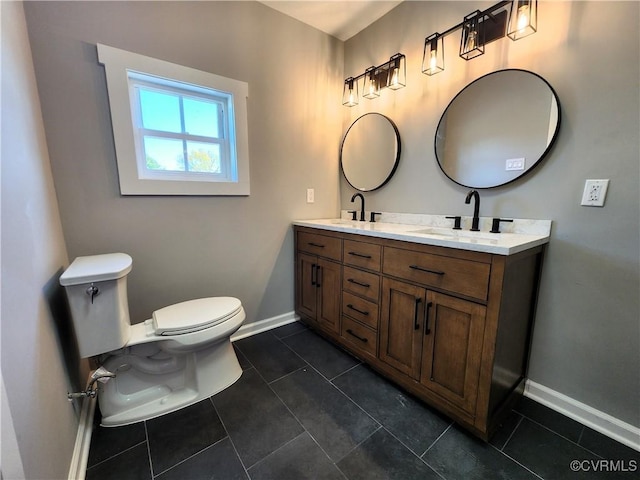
371 88
523 19
472 38
350 92
433 55
480 28
391 74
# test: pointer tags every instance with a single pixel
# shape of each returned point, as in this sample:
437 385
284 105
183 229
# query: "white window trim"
118 63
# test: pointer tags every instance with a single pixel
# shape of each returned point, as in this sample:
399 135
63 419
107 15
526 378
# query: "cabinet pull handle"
318 275
427 330
315 245
359 311
416 325
362 339
351 280
356 254
422 269
313 274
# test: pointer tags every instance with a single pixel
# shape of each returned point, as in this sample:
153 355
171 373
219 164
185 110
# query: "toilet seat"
194 315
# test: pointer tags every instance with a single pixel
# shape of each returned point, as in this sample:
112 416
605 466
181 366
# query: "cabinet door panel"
307 291
400 340
452 349
329 284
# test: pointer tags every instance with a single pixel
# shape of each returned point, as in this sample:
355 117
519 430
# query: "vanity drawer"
464 277
364 255
362 310
361 283
321 245
359 336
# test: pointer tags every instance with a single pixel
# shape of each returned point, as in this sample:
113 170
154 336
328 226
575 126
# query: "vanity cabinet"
450 326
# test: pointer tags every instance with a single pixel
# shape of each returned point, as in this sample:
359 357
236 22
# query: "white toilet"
179 357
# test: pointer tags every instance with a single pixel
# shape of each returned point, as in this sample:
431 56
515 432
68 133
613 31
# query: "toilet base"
137 393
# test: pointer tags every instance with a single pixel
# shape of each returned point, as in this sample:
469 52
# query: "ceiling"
339 18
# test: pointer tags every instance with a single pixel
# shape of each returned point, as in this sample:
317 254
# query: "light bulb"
394 77
523 18
471 41
433 61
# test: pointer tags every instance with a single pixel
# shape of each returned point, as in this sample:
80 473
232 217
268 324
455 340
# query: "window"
177 131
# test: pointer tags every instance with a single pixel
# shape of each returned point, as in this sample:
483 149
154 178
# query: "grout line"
516 461
146 434
233 445
116 454
347 370
439 437
512 433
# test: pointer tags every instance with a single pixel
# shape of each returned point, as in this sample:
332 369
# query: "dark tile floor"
305 409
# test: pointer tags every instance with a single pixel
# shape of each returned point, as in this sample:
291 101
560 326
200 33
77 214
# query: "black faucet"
476 209
362 209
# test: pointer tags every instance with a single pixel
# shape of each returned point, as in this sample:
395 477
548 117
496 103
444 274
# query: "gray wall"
188 247
39 356
587 336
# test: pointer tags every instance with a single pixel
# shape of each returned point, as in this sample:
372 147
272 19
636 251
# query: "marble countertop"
516 236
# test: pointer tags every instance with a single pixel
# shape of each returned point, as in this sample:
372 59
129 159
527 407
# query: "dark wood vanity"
450 326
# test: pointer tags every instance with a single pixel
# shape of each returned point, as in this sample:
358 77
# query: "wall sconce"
391 74
350 92
480 28
523 19
433 55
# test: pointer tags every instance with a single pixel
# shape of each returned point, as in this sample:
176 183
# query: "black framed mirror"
370 152
497 129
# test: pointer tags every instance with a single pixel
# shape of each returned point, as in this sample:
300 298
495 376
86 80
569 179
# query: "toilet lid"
194 315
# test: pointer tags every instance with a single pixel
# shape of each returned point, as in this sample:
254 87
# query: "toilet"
182 355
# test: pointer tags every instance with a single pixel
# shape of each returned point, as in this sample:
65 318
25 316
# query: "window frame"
120 67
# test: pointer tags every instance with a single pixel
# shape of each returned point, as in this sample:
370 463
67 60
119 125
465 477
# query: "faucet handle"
373 216
456 222
495 224
353 214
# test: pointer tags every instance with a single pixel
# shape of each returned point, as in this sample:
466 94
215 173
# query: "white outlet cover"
594 192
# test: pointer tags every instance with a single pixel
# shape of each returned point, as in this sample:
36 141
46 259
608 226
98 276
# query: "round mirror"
497 129
370 152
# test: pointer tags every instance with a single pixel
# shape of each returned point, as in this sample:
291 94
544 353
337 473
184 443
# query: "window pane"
164 154
204 157
160 111
201 118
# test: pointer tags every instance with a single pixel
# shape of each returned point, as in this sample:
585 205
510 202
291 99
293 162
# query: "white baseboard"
604 423
264 325
78 468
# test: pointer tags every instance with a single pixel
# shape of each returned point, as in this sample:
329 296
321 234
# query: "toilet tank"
96 288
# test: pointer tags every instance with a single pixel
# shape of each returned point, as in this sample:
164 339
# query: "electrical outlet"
310 195
594 193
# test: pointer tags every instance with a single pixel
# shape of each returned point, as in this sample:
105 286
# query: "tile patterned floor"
304 409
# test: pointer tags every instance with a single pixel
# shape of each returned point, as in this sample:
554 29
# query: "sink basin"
443 232
457 234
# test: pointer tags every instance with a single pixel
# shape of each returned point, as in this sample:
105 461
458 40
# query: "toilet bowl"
182 355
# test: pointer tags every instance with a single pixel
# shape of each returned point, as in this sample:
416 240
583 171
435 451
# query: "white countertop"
515 237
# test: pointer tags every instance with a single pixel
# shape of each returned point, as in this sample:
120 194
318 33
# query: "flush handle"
92 291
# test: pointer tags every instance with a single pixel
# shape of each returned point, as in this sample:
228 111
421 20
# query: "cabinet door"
401 326
328 283
452 349
306 284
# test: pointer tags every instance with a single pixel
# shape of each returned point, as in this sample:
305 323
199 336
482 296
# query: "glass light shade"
350 93
523 19
371 87
472 38
397 74
433 56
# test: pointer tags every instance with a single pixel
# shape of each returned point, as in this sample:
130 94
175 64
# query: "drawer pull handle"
315 245
318 275
356 254
359 311
422 269
427 330
313 274
362 339
351 280
416 325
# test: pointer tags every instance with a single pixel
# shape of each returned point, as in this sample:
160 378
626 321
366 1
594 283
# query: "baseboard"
78 468
604 423
264 325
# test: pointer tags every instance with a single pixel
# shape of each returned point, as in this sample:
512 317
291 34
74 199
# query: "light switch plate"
310 195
